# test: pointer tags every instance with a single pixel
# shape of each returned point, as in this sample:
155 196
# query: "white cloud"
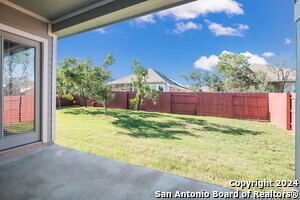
268 54
182 27
101 30
287 41
220 29
255 59
206 63
203 7
145 19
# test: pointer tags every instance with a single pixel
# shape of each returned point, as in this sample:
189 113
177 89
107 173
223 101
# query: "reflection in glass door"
18 88
20 63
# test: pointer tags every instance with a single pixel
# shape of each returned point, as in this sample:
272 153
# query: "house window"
159 87
153 87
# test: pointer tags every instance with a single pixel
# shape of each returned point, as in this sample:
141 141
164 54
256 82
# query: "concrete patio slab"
56 172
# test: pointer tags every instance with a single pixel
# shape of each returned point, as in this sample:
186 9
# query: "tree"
232 75
97 89
63 89
235 72
139 83
16 67
261 83
196 80
199 79
77 75
213 82
283 72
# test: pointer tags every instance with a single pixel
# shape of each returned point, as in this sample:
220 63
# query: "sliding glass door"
20 96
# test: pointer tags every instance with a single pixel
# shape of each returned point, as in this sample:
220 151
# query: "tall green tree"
97 88
200 79
261 83
142 88
232 75
63 88
235 72
213 82
196 80
77 75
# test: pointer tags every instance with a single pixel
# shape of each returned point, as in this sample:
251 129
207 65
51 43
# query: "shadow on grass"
139 125
140 128
213 127
112 112
230 130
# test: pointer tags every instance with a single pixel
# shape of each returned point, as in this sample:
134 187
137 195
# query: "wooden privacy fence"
282 110
18 109
279 108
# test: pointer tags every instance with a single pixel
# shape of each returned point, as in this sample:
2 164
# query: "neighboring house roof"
153 77
270 73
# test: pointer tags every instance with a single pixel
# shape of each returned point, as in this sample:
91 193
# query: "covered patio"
56 172
49 171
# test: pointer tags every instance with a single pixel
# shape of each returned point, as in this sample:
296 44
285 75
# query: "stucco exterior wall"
19 20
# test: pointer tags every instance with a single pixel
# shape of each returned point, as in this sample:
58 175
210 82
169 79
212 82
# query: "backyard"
210 149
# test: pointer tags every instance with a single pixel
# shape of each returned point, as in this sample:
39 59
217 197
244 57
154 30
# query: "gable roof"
272 77
153 77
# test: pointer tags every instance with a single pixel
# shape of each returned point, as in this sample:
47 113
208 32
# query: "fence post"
170 102
196 96
200 103
127 100
232 107
288 112
20 109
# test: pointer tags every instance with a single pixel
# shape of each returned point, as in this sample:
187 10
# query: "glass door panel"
18 88
20 94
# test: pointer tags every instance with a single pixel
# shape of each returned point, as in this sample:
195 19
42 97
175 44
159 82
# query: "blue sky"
190 37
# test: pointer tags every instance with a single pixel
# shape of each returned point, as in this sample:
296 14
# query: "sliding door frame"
34 135
43 75
1 92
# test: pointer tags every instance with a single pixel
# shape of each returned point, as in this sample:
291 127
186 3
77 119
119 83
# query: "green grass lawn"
20 127
209 149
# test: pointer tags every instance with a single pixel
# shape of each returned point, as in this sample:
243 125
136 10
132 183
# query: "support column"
297 149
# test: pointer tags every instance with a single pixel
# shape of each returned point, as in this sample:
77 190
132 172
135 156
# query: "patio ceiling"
70 17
